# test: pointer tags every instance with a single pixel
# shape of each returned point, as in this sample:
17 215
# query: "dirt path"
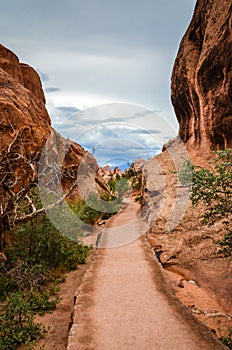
120 304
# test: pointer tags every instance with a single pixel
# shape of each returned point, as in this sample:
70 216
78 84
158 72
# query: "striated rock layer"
202 78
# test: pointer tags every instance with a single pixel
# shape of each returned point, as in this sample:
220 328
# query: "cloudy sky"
105 67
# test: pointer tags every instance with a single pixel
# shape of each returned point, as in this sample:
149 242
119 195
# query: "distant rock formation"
107 174
202 78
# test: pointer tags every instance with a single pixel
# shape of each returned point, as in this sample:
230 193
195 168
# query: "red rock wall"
202 78
31 81
20 106
25 126
9 62
22 73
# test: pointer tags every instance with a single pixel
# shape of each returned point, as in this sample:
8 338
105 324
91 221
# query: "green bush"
139 199
226 242
41 302
135 178
86 211
112 184
75 254
213 188
28 277
95 208
17 323
227 340
7 285
39 244
37 256
185 173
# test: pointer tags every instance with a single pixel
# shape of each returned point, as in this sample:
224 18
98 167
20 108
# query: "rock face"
107 174
138 164
23 74
202 99
25 127
22 102
176 234
202 78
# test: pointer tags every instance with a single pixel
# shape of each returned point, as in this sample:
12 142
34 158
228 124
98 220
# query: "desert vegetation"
36 257
213 188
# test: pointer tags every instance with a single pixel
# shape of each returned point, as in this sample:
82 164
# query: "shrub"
139 199
185 173
226 242
214 190
7 285
227 340
40 245
41 302
17 323
135 177
28 277
37 255
95 208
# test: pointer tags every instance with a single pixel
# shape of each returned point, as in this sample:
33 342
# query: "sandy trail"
120 305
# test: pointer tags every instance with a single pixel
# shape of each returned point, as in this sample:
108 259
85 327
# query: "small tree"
214 190
185 173
135 177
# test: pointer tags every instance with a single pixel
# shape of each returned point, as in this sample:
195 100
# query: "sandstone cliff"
202 99
25 127
202 78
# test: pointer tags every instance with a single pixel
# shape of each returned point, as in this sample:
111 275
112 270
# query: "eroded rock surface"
25 128
202 78
176 234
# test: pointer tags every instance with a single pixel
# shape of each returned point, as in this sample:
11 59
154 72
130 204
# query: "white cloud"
115 131
101 52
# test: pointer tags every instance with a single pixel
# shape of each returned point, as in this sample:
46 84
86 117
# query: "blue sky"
105 66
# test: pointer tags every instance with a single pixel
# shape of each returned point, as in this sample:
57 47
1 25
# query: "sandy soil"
202 303
124 301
